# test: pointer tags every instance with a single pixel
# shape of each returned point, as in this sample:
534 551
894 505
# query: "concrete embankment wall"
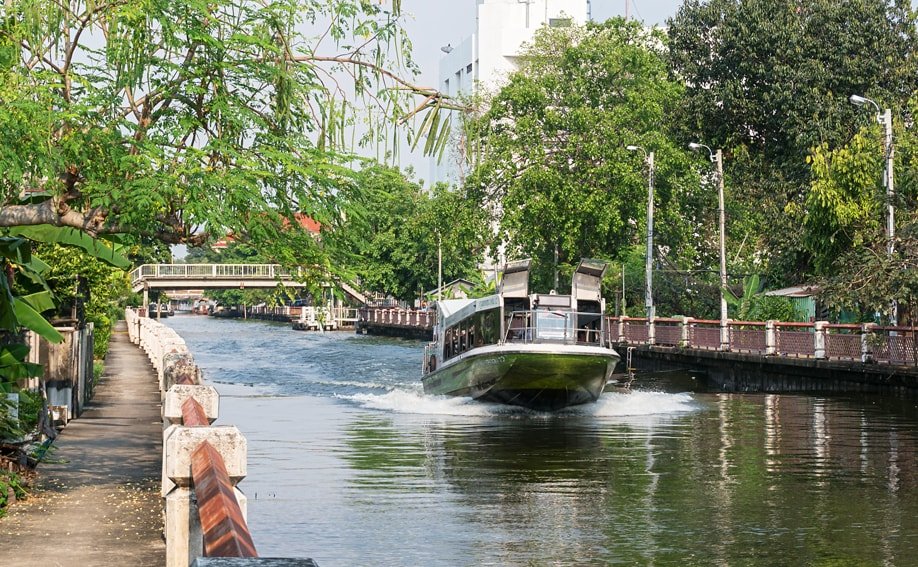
739 372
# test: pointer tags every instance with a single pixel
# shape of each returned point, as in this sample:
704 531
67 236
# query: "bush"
10 480
30 408
102 333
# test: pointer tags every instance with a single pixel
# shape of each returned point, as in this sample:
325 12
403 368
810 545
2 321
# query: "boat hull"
532 376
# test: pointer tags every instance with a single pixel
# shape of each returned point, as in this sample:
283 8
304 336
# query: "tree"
554 170
768 80
391 241
182 120
845 225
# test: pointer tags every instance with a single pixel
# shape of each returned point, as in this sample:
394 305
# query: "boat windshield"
554 326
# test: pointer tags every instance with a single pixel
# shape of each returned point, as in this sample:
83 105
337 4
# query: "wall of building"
485 59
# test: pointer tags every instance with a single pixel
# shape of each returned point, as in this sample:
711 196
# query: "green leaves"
67 236
554 161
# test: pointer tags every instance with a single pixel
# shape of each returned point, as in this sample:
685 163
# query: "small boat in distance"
540 351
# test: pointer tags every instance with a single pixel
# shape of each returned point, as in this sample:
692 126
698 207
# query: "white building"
485 59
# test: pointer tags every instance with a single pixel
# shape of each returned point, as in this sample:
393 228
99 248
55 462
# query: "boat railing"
556 327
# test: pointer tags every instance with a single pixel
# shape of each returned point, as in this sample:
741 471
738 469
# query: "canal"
350 464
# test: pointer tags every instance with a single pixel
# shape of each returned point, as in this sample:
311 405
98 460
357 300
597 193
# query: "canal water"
351 464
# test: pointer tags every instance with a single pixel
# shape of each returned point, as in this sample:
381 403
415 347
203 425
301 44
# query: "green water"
351 464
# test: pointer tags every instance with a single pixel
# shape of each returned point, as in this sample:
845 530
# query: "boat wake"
613 405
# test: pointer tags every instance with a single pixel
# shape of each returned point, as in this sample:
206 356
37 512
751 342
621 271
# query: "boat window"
553 325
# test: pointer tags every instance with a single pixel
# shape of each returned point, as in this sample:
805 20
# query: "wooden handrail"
226 533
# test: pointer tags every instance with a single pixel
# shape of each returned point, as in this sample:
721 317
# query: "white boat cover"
447 309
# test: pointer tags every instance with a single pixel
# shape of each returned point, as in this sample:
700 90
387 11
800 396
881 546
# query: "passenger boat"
540 351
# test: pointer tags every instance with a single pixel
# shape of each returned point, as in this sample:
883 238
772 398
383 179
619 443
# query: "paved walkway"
97 502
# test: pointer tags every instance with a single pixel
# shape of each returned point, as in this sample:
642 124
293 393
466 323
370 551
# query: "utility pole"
724 331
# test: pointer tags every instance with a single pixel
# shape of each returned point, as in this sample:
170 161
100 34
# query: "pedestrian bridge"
222 276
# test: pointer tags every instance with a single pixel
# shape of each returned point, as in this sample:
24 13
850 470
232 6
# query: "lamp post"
718 158
648 268
885 118
439 267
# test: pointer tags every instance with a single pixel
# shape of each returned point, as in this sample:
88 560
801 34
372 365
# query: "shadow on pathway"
97 501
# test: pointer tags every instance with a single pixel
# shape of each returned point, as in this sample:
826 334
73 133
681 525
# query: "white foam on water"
638 403
611 404
403 401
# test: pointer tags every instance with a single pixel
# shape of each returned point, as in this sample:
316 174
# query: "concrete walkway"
97 502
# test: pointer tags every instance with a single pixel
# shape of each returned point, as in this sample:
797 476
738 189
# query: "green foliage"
182 120
553 168
767 80
391 242
10 480
743 305
75 277
843 206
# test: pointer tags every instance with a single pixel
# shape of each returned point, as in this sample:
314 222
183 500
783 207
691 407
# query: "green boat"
540 351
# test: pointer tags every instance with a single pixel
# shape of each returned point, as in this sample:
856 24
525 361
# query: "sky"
432 24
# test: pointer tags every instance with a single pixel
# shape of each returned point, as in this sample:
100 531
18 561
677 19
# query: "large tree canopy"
554 167
769 81
183 119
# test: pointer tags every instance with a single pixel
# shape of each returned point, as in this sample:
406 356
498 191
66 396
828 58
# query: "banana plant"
25 311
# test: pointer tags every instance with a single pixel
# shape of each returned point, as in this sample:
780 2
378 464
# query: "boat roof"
451 311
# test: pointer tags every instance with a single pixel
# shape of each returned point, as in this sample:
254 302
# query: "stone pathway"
97 501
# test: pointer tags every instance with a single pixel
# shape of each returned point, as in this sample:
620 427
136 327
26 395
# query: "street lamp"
718 158
439 267
885 118
648 276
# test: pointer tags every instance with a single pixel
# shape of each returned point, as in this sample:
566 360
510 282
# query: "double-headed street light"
648 294
885 118
718 158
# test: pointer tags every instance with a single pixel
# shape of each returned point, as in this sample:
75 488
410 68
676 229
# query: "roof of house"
795 291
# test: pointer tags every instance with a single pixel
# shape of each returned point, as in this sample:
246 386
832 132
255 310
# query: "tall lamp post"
439 267
718 158
648 269
885 118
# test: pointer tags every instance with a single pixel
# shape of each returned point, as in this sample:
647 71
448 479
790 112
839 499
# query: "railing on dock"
398 317
819 340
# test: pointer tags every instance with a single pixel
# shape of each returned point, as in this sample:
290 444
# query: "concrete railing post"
771 342
184 537
651 331
819 339
866 346
685 332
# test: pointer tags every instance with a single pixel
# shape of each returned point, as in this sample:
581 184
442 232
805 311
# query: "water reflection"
365 469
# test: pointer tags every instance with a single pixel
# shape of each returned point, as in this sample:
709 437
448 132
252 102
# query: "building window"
468 68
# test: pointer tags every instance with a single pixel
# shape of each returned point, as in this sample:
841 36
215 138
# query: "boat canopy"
515 281
451 311
587 280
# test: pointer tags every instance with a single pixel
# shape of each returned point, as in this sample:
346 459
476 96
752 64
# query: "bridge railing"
397 317
214 271
819 340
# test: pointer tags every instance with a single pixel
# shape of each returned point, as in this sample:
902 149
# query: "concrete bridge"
222 276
